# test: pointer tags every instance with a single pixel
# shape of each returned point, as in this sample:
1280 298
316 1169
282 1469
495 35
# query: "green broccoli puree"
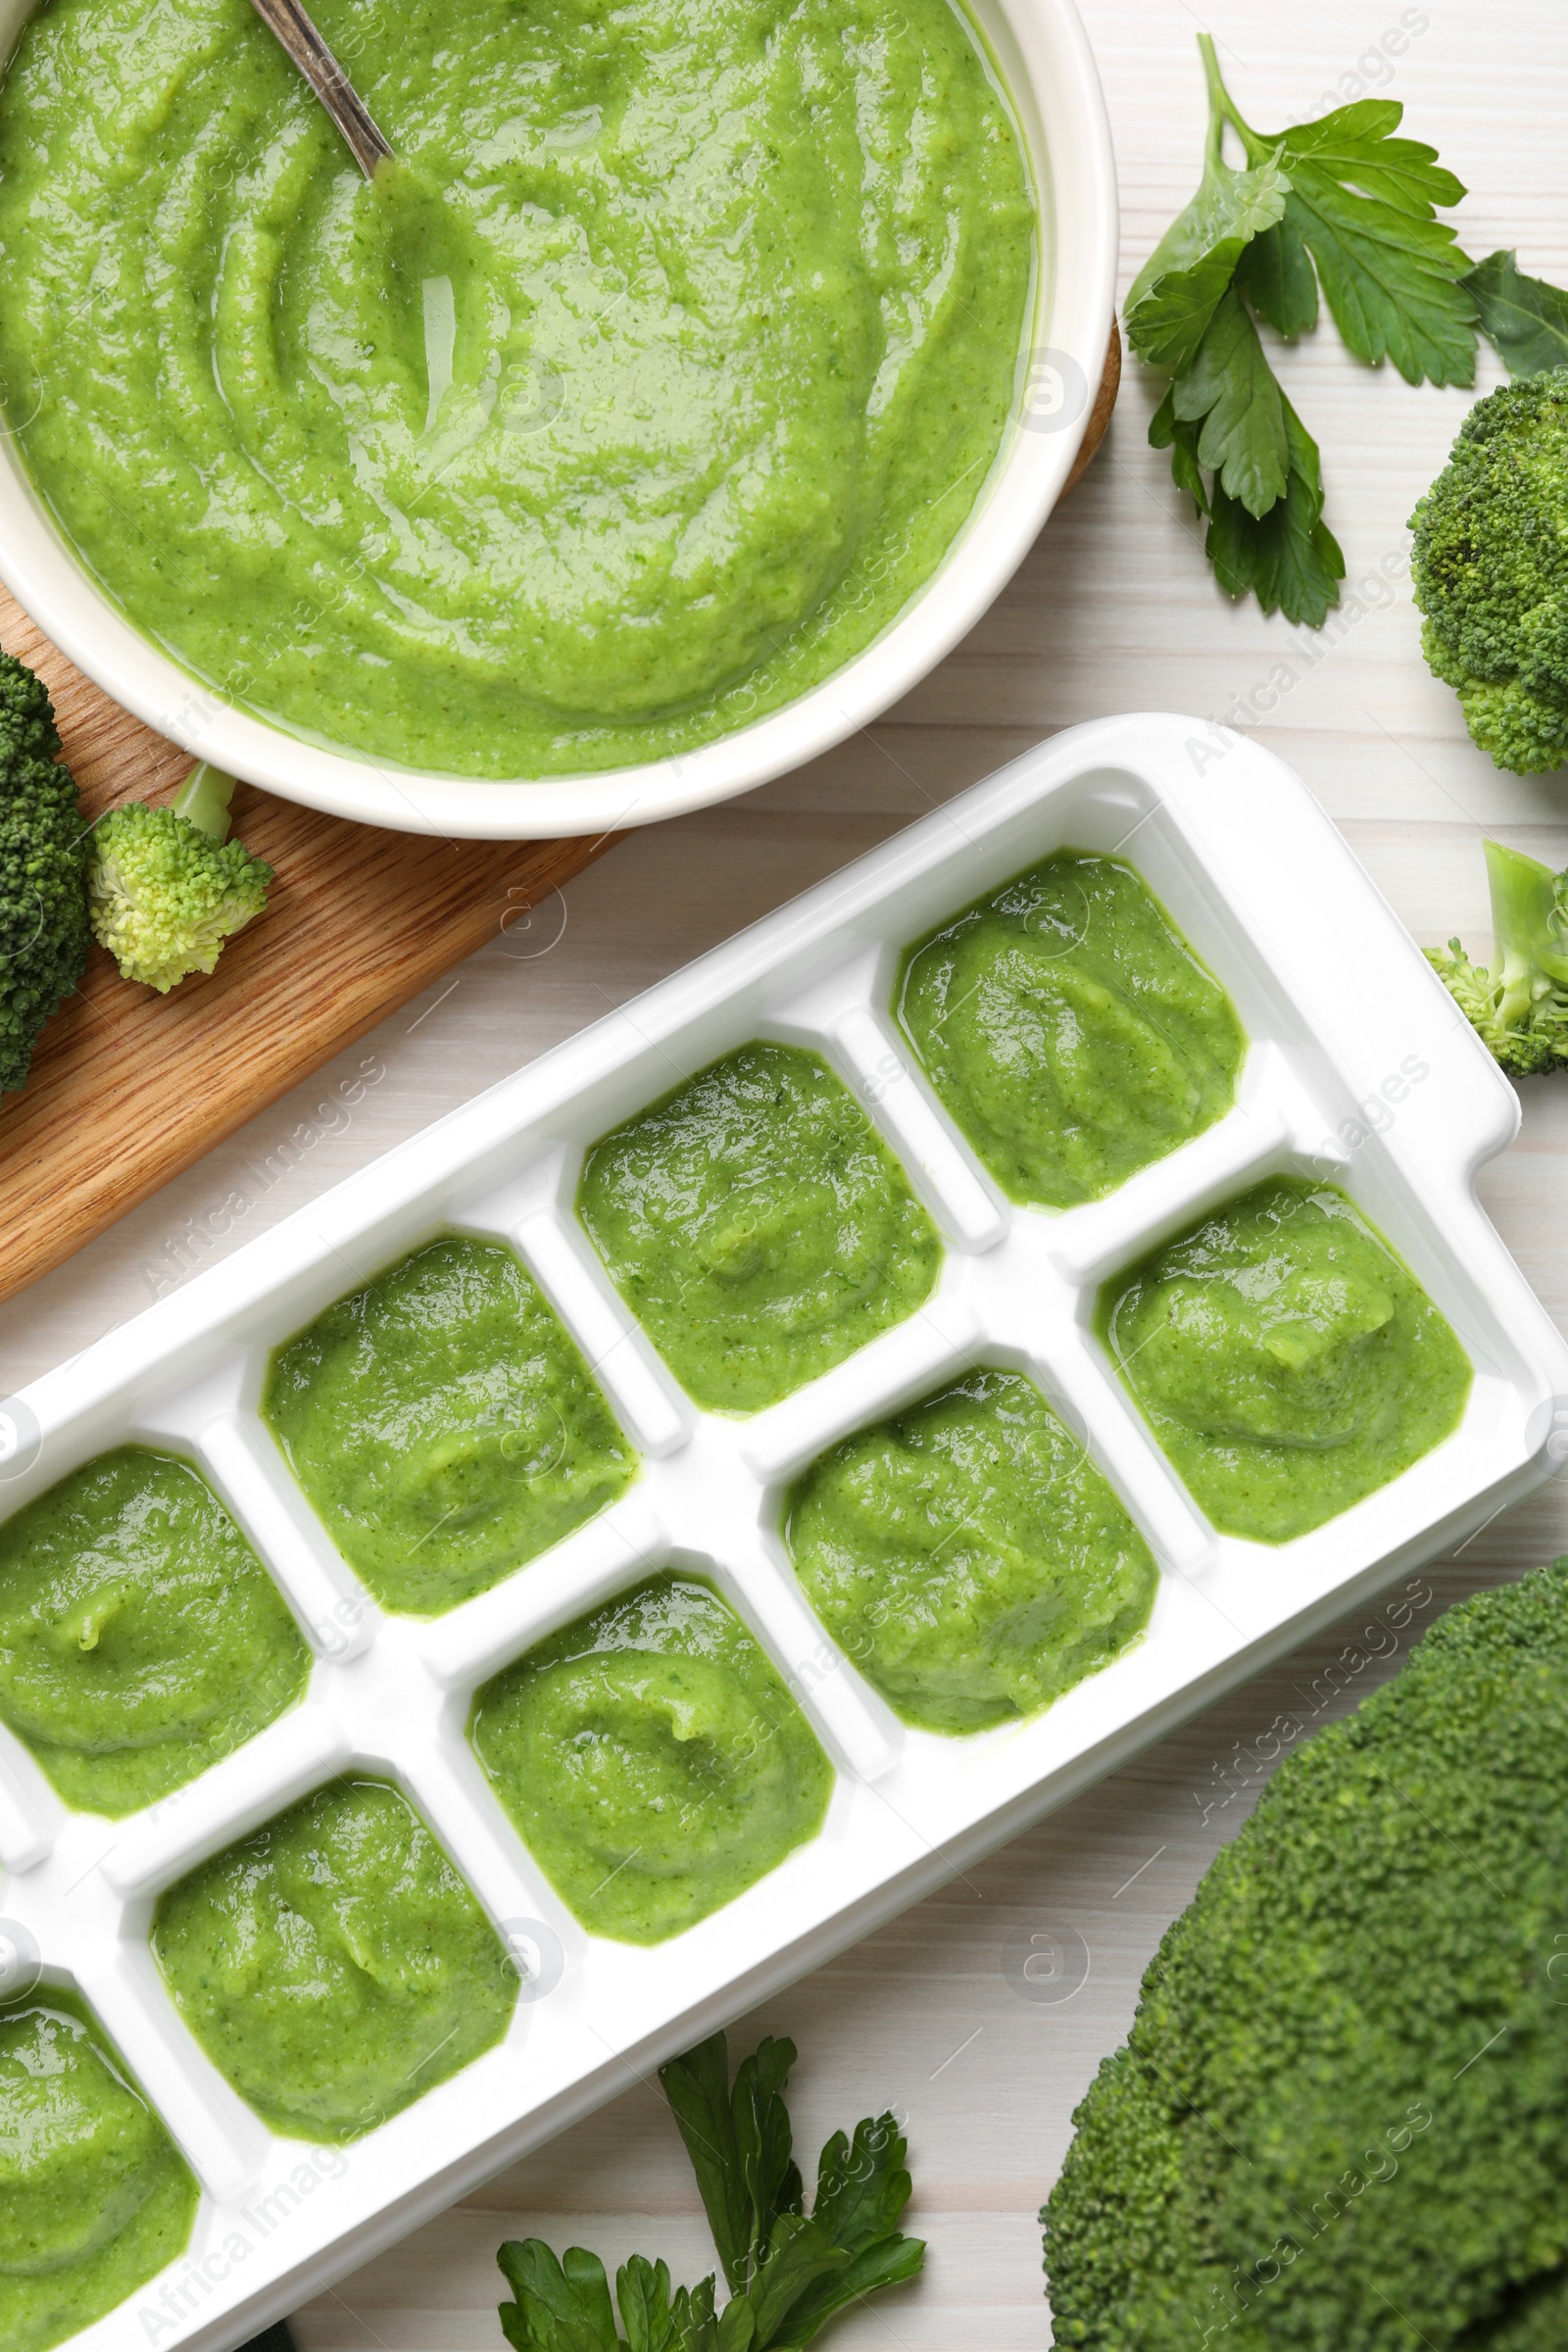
1284 1359
756 1224
1071 1030
94 2198
970 1558
334 1966
444 1426
140 1637
644 394
652 1760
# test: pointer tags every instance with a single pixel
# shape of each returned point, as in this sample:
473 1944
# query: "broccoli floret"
168 888
44 936
1337 2125
1521 1006
1491 572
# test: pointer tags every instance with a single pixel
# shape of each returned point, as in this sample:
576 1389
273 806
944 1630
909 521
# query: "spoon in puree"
417 222
326 78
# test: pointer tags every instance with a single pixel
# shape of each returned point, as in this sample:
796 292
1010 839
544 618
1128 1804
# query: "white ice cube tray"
1359 1069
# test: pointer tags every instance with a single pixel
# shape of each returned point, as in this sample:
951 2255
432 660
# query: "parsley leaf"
1230 391
657 2317
1356 144
788 2272
1175 294
561 2306
1276 274
802 2258
564 2306
1524 317
1362 206
1167 430
739 2143
1391 282
1289 558
861 2184
861 2191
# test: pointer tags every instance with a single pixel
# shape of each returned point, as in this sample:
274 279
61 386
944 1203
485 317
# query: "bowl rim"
1048 64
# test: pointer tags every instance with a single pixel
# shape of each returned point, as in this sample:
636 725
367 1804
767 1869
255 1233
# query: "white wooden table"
1114 611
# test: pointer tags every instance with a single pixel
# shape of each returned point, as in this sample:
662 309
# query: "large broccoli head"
1491 571
1341 2120
44 933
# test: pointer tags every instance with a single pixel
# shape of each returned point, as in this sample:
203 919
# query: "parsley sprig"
1526 318
788 2272
1337 212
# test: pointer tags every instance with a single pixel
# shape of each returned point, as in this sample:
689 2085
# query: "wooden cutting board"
128 1088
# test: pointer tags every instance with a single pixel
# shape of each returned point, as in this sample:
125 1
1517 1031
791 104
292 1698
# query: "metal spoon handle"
327 79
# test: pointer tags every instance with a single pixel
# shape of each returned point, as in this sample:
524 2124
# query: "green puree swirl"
94 2197
652 1760
334 1966
140 1638
444 1426
1285 1358
1071 1030
970 1558
756 1224
644 397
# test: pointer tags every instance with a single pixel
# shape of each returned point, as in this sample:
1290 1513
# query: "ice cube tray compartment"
1334 999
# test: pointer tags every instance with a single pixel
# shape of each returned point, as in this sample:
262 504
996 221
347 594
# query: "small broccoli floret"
1338 2122
1491 572
44 936
1519 1003
168 888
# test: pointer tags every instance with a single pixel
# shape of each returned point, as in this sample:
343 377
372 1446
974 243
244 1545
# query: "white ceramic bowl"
1045 59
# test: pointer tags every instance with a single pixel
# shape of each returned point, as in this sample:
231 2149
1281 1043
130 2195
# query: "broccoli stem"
1527 927
203 800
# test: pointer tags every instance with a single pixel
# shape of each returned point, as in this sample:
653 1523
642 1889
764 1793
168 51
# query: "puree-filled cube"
651 1759
970 1558
334 1966
757 1225
444 1426
1070 1029
140 1638
1285 1358
94 2197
